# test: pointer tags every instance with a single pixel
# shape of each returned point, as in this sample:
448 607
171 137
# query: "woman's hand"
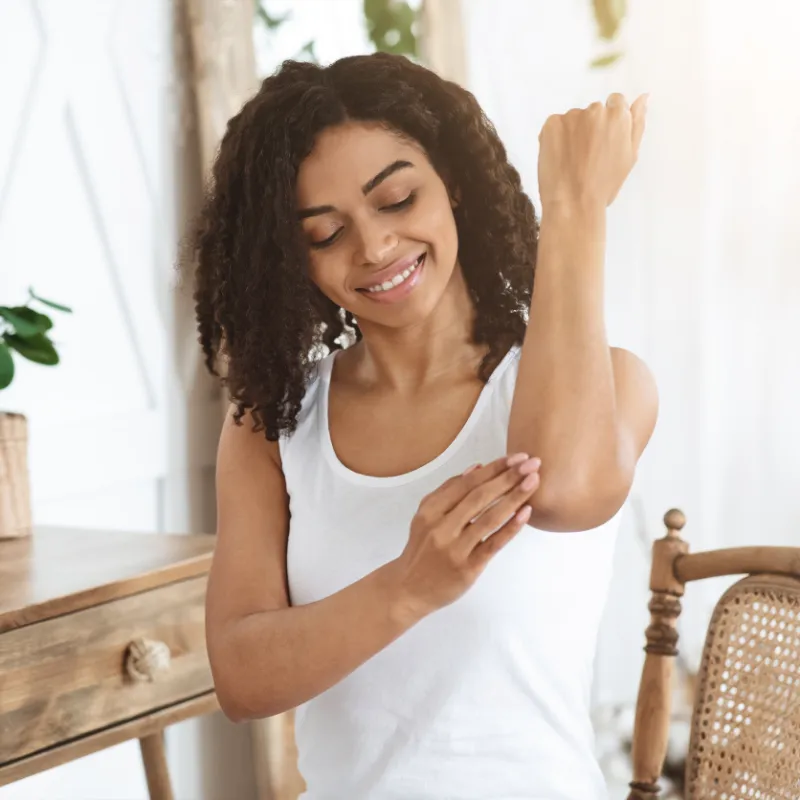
586 154
446 551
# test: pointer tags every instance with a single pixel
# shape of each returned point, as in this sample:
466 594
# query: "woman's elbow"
578 505
237 704
230 684
239 700
230 708
227 691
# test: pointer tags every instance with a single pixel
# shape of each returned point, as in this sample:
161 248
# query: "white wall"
97 175
702 277
336 27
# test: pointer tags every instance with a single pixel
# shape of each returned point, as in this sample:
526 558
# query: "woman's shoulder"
244 441
309 404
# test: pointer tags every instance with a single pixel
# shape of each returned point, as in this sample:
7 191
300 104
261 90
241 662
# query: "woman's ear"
455 197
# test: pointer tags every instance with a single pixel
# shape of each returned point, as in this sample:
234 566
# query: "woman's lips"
402 290
395 268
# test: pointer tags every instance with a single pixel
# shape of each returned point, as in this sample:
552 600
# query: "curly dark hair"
258 311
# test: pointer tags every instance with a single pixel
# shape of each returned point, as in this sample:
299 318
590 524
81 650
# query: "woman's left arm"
586 409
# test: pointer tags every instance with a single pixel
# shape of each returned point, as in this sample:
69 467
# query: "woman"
435 624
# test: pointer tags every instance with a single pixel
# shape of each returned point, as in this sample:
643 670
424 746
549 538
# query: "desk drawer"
71 675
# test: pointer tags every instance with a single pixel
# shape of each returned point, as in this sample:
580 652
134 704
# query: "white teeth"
397 280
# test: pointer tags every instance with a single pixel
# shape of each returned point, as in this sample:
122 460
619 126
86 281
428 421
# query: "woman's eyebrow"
372 183
384 174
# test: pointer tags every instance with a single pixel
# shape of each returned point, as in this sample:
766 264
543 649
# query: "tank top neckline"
326 369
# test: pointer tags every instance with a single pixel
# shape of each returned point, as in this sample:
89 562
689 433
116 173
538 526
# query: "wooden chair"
745 734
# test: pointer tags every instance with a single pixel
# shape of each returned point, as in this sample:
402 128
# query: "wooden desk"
102 640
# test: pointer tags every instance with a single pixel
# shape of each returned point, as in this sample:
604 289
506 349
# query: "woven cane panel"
745 739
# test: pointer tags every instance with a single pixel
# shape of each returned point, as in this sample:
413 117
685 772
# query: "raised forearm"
272 661
564 408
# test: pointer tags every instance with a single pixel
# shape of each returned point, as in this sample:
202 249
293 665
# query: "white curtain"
703 279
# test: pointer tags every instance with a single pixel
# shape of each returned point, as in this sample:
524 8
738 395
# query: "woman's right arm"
267 657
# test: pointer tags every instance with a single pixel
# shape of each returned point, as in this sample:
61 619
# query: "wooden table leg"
155 766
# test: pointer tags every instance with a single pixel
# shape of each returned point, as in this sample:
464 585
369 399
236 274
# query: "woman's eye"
402 204
399 206
326 242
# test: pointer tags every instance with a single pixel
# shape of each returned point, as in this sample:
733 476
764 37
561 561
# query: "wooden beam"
738 561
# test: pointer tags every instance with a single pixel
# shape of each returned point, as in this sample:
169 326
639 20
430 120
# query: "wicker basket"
15 504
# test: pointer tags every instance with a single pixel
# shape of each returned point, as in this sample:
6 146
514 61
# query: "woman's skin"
582 412
586 409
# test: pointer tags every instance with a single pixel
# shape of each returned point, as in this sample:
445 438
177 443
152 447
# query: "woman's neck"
411 360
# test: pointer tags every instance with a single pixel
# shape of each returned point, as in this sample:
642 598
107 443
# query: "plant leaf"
49 303
307 53
26 321
606 60
609 15
272 23
6 366
38 349
391 25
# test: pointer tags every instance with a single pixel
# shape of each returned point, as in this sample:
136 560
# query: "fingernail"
524 514
517 458
531 465
470 469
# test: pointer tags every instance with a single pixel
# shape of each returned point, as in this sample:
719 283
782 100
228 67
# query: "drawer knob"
145 659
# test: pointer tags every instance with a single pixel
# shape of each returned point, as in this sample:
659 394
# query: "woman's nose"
376 242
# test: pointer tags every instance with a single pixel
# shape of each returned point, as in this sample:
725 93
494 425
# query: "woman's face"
376 213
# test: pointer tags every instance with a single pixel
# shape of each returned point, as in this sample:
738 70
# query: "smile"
399 286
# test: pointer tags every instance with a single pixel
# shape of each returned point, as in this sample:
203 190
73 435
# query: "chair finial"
674 519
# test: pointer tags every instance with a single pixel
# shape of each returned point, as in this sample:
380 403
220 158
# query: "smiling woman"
375 568
375 238
380 160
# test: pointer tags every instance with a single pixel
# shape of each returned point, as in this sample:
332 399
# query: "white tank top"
485 699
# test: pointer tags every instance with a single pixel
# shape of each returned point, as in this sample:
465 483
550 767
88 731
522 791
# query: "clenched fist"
586 154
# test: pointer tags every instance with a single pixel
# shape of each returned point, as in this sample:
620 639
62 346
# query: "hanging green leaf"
38 349
6 366
26 321
391 26
609 15
307 53
271 23
606 60
49 303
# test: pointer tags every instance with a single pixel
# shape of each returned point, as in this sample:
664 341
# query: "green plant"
391 27
609 15
271 23
25 330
